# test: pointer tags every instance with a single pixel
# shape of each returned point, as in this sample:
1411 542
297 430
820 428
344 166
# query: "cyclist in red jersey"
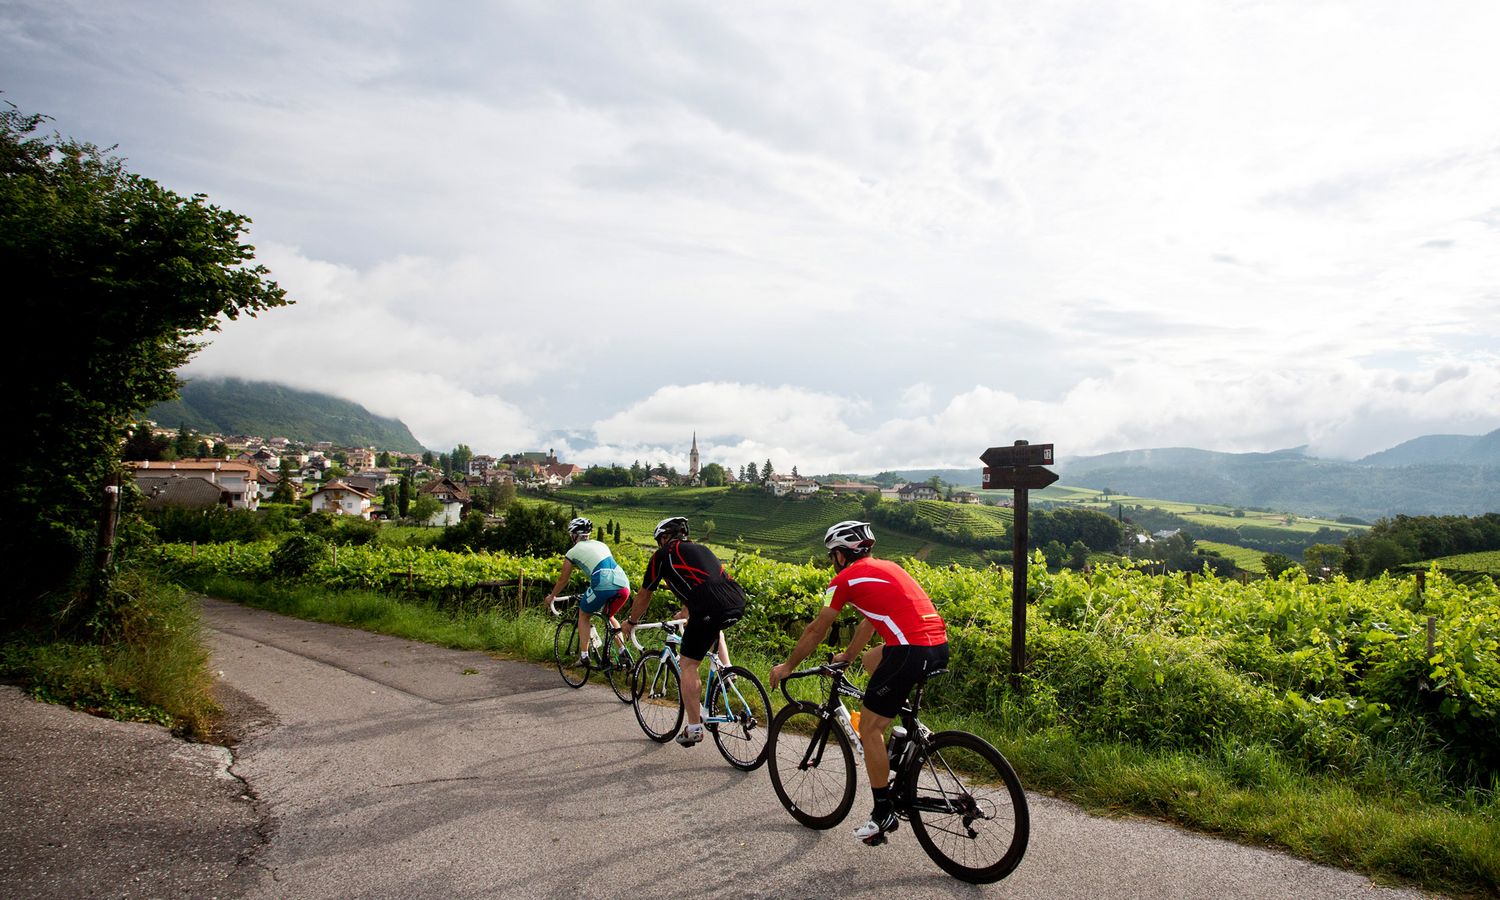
915 642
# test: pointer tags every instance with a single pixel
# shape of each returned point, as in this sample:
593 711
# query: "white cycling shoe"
873 833
690 737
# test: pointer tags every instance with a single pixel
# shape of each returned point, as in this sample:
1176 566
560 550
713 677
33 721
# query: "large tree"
137 271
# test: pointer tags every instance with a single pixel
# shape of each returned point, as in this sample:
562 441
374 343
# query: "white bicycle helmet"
580 525
677 525
854 537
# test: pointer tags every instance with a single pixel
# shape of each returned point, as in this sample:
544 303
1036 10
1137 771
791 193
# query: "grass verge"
1248 794
152 668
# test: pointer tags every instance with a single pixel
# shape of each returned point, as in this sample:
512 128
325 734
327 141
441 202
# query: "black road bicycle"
606 653
961 796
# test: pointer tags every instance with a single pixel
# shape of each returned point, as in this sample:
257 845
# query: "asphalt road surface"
387 768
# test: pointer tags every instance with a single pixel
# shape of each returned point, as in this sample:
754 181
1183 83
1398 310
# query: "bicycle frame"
832 708
671 654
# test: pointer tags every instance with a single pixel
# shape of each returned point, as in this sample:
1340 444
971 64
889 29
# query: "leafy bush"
297 555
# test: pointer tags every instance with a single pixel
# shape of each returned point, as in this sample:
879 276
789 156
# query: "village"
365 482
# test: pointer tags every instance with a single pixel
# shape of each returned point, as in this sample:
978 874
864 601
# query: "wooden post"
109 517
410 578
1190 579
1431 635
335 554
195 549
1018 588
521 592
1421 583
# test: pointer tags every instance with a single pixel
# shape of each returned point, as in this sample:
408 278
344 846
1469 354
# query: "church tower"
693 459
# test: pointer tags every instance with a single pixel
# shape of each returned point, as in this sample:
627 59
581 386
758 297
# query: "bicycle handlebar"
826 670
671 626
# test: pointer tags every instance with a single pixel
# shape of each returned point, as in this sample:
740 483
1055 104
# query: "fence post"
1190 579
335 554
410 579
521 592
1431 636
1421 583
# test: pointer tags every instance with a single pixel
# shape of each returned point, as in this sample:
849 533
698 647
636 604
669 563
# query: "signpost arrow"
1019 454
1033 477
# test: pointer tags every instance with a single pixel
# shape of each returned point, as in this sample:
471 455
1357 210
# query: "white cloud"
864 236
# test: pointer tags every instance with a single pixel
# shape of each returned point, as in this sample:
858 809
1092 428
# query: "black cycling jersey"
695 575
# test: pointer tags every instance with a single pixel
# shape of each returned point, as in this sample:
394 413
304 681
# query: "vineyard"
787 528
1466 567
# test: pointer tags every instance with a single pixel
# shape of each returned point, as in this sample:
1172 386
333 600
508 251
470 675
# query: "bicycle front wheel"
657 697
617 666
740 697
967 807
811 765
565 651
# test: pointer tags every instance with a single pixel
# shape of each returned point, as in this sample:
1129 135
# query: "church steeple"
693 459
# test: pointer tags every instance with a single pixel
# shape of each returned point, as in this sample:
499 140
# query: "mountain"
1433 449
1431 475
265 409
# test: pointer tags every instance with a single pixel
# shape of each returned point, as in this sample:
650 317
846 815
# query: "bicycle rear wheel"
967 807
617 667
565 651
738 694
657 698
811 765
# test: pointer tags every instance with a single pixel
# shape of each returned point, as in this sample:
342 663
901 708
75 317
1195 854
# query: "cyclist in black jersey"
712 601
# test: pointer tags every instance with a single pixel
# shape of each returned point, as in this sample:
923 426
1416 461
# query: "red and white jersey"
891 599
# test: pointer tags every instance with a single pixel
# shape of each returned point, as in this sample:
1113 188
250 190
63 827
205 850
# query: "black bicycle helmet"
580 525
674 526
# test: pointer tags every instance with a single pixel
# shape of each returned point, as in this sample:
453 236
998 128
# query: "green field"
1243 557
782 528
790 529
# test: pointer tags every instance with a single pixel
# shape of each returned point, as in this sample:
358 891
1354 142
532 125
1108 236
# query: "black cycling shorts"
901 667
714 610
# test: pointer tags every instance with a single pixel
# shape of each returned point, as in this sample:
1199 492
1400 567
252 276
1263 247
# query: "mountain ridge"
269 409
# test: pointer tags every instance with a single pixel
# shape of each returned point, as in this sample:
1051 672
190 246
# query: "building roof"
196 465
182 491
341 486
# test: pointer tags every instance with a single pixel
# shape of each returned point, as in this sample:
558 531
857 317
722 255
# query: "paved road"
396 769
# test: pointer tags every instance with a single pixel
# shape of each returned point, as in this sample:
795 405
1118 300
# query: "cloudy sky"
844 236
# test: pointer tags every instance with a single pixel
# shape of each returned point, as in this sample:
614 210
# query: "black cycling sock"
883 805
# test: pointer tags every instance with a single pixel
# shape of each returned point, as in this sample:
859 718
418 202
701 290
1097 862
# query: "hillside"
1461 449
1292 481
265 409
782 528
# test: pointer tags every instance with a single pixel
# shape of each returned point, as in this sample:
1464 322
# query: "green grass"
1370 820
151 668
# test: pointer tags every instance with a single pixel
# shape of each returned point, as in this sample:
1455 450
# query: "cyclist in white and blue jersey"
609 586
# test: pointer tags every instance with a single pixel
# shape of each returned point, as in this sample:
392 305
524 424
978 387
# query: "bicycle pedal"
875 840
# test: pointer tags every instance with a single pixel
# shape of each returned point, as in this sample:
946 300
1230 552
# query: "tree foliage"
140 271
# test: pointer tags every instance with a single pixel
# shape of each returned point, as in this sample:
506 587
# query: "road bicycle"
961 796
737 711
605 654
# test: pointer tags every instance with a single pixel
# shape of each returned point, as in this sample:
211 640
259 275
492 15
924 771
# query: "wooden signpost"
1018 468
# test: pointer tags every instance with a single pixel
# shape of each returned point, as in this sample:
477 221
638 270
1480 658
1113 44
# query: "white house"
909 492
453 497
340 499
